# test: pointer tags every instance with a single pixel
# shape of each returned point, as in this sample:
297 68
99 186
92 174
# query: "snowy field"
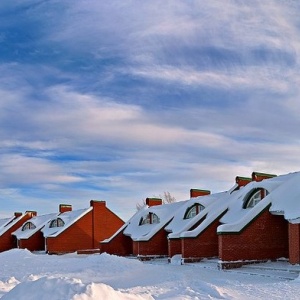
80 277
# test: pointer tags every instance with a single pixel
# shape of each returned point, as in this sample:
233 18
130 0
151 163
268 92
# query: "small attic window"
150 218
254 197
194 210
57 223
27 226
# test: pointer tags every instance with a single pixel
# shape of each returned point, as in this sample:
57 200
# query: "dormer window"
254 197
194 210
57 223
27 226
150 218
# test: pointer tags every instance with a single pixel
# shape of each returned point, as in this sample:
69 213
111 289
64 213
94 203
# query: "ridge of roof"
9 224
44 219
55 231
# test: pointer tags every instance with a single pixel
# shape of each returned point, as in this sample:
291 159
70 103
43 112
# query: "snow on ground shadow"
25 275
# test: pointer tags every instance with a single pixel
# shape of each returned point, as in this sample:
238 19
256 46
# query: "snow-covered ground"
25 275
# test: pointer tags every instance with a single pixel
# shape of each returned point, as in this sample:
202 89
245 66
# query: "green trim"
200 190
154 199
243 178
264 174
246 225
65 205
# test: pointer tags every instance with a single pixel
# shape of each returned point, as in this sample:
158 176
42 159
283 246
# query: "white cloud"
250 78
71 144
17 170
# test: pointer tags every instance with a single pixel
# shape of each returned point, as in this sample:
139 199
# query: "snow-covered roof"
180 224
144 232
7 223
283 198
69 218
286 199
4 222
38 221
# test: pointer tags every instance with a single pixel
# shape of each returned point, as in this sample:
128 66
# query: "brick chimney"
31 213
104 222
153 201
197 193
242 181
98 203
64 208
18 214
256 176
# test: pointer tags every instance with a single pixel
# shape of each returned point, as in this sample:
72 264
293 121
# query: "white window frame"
150 218
28 226
193 211
256 197
57 223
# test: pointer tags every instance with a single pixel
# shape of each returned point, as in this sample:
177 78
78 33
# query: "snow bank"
67 288
82 277
176 259
103 291
6 286
15 254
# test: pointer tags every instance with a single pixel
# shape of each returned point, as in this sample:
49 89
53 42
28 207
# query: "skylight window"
194 210
57 223
254 197
150 218
28 226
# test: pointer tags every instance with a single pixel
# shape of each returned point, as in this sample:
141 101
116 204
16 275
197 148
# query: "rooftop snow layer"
283 192
38 221
8 223
286 199
69 218
144 232
4 222
180 224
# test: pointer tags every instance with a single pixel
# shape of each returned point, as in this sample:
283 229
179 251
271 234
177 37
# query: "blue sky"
120 100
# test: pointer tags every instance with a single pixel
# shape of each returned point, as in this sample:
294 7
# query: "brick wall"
35 243
264 238
105 222
294 243
76 237
7 240
174 247
86 233
119 245
157 245
204 245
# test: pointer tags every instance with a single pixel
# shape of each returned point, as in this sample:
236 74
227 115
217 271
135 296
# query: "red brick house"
263 224
9 225
144 234
80 229
29 235
193 231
